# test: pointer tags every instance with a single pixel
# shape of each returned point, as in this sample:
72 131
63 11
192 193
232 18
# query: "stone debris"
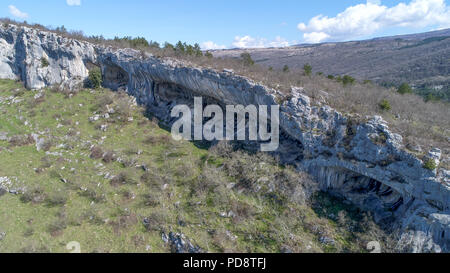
11 185
179 244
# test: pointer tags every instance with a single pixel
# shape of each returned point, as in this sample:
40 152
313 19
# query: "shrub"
404 89
95 77
331 77
18 92
92 195
380 139
96 153
307 69
122 179
247 59
17 141
123 221
180 47
154 222
157 140
169 46
197 50
385 105
208 55
35 195
57 226
128 162
47 145
109 157
93 217
348 80
189 49
56 199
28 232
154 180
430 165
128 41
150 200
241 209
285 68
123 108
430 97
44 62
106 99
46 162
154 44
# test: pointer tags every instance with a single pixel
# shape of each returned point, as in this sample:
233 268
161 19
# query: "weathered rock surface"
357 158
23 50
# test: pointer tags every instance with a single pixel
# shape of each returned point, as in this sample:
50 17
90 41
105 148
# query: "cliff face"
357 158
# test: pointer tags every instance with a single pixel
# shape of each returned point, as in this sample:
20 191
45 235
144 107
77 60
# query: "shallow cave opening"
114 77
365 192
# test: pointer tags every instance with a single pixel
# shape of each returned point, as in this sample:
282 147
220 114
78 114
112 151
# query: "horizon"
290 23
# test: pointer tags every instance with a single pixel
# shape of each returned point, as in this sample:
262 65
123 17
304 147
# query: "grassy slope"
107 217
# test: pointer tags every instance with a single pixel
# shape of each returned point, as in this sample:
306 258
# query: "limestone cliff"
359 159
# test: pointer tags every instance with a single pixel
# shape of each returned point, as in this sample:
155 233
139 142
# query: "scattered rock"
326 240
179 244
4 136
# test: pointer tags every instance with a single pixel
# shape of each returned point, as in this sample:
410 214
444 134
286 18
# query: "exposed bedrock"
359 159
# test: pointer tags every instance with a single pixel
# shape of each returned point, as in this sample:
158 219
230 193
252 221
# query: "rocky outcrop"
43 59
358 158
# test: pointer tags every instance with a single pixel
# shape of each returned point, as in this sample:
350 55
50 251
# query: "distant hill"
422 60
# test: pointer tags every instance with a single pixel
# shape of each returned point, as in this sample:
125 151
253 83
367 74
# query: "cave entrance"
362 191
115 78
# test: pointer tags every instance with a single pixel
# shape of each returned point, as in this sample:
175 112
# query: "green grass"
78 202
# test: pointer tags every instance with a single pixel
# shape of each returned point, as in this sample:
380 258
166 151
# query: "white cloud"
73 2
315 37
17 13
250 42
365 19
209 45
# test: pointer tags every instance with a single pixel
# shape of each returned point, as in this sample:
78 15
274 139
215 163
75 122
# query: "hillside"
377 150
423 60
78 177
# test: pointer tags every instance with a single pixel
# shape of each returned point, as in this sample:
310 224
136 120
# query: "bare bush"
19 140
160 139
150 200
122 179
154 222
56 199
96 152
109 157
35 195
92 194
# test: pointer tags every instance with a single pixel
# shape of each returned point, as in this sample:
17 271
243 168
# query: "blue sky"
236 23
